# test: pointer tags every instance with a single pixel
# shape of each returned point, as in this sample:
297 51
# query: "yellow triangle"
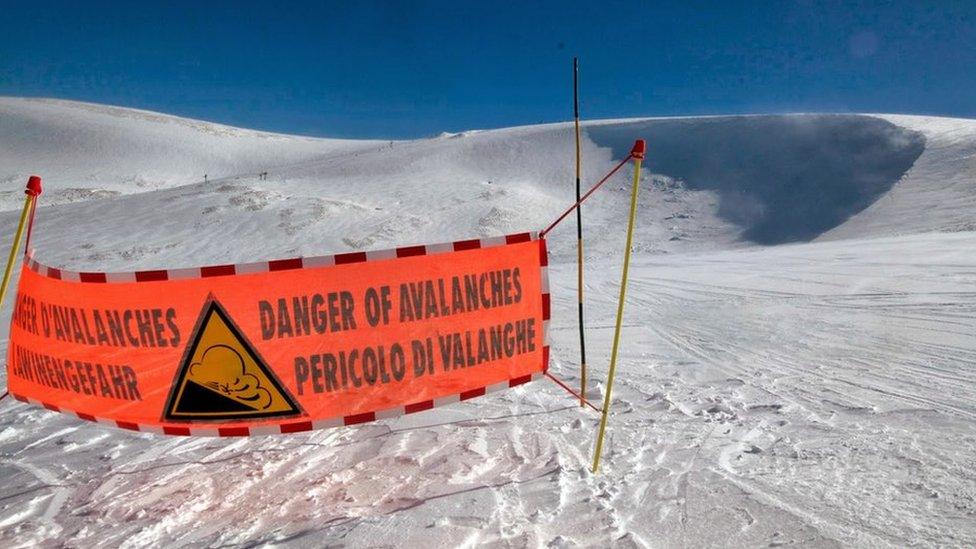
222 377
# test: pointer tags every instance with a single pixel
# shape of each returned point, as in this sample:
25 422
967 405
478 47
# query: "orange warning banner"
282 346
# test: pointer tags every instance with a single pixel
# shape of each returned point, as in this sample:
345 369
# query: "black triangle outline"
211 305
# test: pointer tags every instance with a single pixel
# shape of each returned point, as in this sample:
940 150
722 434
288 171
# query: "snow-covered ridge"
85 150
717 182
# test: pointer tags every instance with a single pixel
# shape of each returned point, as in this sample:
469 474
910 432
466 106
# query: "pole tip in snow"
33 186
638 150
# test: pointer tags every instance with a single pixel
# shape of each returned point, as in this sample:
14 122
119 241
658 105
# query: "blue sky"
412 69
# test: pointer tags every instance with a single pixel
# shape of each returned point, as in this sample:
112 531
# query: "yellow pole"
638 155
33 189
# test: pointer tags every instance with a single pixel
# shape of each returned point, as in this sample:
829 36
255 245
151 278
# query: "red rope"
585 196
572 392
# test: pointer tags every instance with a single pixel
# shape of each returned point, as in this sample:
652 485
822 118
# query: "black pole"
579 235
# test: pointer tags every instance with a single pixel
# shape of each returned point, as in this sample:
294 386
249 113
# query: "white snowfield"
798 363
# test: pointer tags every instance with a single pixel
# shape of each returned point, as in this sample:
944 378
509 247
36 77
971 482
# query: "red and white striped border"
283 428
287 427
273 265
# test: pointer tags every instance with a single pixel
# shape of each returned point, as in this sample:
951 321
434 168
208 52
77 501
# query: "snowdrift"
780 178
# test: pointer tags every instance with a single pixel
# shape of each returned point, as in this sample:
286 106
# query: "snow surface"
798 368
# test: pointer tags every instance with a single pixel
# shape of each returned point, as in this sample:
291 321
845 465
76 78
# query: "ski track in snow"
815 394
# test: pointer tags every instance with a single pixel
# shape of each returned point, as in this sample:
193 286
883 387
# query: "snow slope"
798 364
94 151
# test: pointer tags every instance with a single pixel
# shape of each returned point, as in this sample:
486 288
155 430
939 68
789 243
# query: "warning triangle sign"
222 377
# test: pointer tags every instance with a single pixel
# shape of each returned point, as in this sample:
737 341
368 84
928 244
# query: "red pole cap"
33 186
638 150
